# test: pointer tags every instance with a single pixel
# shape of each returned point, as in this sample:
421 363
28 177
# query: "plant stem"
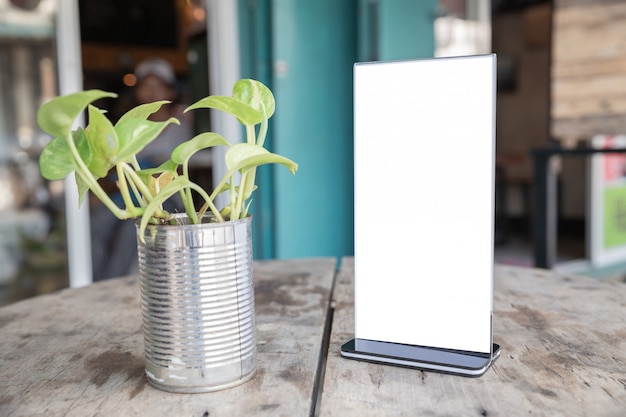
217 189
249 184
262 132
250 134
209 204
143 190
136 164
137 194
142 187
231 191
122 185
242 189
92 183
187 198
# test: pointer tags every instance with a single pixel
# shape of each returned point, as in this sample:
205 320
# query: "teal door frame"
296 216
256 62
315 47
304 51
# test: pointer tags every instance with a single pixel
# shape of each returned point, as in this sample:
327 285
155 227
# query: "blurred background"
561 83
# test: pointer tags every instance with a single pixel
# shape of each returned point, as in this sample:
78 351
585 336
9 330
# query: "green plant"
102 146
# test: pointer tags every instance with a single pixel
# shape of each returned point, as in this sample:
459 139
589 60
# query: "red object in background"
615 163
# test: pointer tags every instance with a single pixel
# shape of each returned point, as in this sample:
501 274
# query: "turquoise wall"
305 51
396 29
314 47
406 29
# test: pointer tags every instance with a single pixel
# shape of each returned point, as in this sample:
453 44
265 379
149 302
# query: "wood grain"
588 64
563 344
80 352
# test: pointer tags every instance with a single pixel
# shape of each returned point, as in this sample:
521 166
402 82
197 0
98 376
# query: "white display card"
424 133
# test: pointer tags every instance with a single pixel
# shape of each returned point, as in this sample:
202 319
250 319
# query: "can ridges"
198 306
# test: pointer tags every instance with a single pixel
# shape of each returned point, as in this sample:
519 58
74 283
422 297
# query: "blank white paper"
424 134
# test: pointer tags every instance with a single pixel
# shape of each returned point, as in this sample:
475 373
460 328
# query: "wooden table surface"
79 352
563 343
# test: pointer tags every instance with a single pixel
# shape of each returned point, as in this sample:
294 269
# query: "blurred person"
156 81
114 242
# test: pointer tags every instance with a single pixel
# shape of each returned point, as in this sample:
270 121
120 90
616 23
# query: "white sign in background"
607 182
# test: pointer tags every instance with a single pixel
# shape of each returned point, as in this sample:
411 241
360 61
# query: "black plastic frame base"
457 362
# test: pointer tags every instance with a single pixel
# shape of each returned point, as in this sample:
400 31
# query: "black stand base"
456 362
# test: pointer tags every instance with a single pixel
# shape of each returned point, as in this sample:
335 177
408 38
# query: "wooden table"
80 353
563 345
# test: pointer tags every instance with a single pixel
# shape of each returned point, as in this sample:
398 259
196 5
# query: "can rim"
207 222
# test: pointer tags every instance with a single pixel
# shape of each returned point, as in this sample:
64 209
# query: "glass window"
32 221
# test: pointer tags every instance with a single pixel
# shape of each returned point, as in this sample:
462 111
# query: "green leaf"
56 161
176 185
186 150
269 158
142 111
243 156
166 166
99 167
147 174
101 133
251 102
82 145
240 151
103 142
136 134
82 189
57 116
256 95
243 112
158 183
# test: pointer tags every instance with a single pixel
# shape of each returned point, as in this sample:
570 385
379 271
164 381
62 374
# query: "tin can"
197 297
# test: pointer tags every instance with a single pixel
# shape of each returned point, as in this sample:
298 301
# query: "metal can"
197 297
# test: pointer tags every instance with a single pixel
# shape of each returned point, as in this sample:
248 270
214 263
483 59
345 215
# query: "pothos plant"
102 146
